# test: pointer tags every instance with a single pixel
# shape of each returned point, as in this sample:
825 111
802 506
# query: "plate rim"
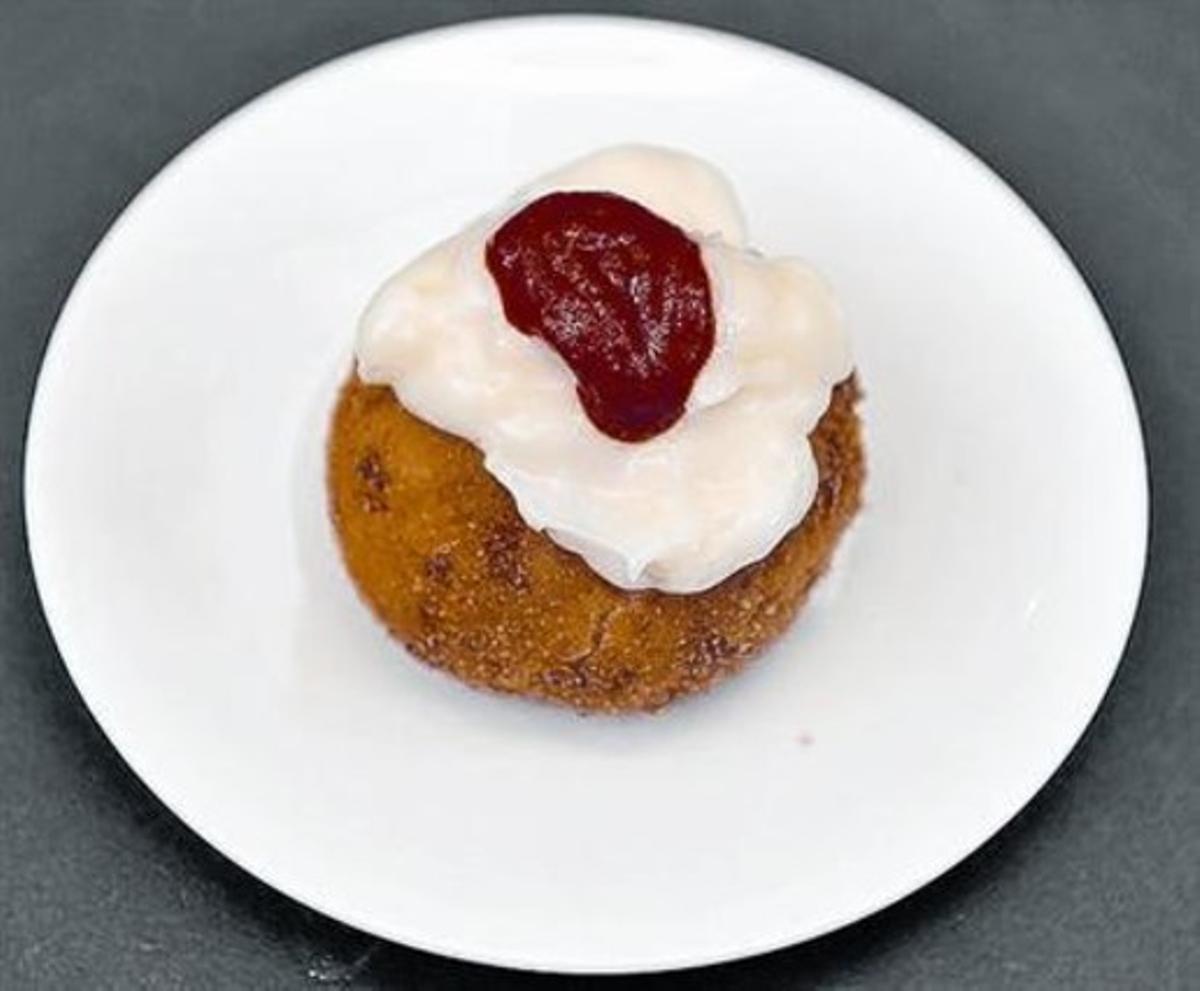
55 354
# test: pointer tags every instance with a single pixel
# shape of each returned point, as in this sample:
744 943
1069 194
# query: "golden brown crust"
437 549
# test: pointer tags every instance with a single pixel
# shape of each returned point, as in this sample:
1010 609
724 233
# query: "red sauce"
620 293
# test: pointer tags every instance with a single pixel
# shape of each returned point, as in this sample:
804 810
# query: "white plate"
177 522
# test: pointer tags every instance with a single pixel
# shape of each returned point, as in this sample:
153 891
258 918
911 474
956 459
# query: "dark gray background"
1091 110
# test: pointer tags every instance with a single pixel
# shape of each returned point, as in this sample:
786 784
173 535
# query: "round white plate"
177 522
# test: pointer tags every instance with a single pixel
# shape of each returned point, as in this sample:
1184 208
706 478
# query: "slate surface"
1091 110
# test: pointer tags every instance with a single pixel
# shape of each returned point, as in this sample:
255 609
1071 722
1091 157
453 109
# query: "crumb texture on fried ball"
437 549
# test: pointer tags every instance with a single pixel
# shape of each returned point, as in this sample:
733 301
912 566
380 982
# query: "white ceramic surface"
178 531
